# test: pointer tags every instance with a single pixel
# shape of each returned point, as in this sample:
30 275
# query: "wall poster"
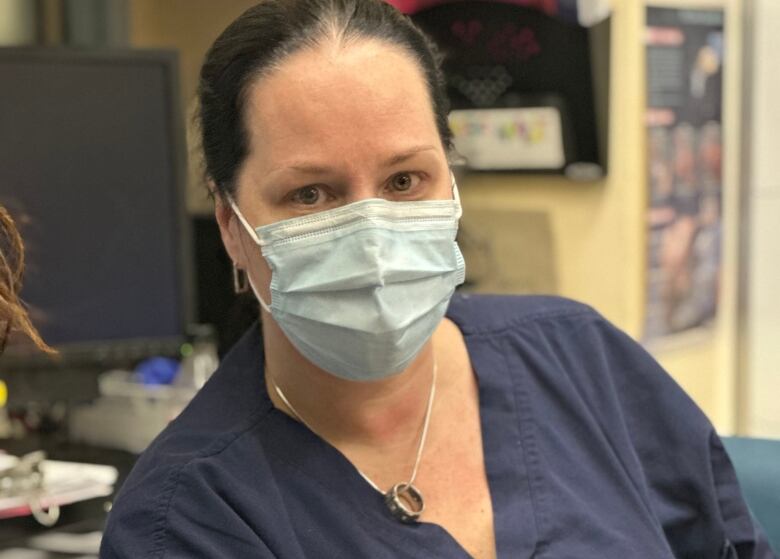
684 142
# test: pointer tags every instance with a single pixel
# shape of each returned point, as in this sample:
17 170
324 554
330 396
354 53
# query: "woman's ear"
230 230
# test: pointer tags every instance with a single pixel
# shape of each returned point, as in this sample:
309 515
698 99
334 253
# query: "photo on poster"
685 50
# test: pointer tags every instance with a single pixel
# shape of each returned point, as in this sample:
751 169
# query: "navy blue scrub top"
592 451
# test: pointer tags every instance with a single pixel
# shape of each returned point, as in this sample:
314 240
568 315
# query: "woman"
365 422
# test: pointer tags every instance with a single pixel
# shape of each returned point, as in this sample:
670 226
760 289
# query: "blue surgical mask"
360 289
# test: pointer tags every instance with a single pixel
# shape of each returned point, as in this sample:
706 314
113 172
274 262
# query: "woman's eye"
308 195
403 182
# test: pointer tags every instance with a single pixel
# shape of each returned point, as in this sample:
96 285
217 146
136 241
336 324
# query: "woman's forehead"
338 97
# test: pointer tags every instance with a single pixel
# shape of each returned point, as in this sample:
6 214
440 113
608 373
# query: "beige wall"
188 26
17 22
760 411
598 229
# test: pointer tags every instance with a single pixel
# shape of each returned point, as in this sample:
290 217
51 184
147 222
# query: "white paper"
506 139
64 483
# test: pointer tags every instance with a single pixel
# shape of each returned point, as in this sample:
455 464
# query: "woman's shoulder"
201 443
550 342
170 497
480 313
586 393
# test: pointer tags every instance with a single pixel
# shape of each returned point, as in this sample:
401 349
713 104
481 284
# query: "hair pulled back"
263 36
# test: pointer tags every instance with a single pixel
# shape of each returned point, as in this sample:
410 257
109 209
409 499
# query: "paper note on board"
506 139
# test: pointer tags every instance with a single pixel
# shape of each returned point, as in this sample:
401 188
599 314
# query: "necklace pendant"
405 502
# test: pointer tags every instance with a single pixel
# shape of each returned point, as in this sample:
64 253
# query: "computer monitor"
92 167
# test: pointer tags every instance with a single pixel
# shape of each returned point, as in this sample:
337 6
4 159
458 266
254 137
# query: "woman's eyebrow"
407 154
317 169
309 168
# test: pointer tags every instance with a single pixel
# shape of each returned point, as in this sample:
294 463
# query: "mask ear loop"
253 235
456 196
244 222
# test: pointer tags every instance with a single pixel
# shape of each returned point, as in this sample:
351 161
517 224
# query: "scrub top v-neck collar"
508 451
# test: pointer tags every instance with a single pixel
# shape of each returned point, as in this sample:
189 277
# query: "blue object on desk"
757 463
157 370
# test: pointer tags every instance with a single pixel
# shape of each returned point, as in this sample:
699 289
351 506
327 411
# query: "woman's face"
329 127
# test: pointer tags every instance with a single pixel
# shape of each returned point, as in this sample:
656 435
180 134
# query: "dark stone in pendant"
394 499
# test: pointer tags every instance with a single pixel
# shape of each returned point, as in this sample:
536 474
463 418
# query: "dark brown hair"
274 29
13 315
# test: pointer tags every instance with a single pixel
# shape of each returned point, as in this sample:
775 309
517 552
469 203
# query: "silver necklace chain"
423 434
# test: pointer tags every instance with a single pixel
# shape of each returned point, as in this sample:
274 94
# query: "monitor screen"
90 167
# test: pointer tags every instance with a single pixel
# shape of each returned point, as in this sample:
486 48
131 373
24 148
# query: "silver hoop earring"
240 280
